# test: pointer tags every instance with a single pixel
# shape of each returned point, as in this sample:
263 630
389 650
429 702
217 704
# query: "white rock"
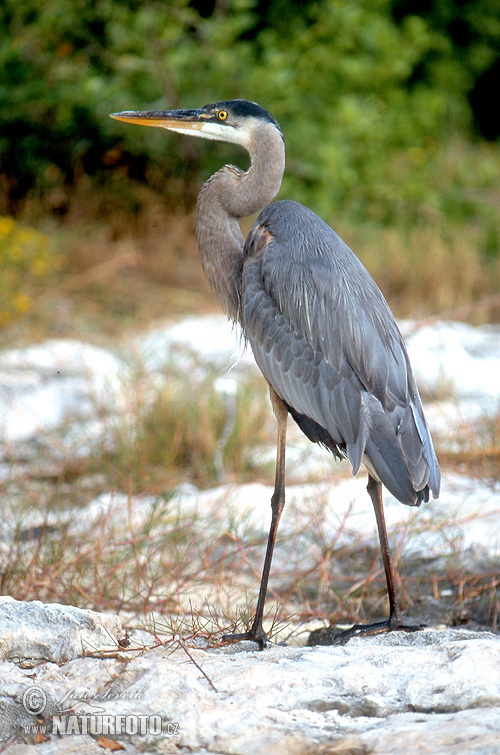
53 632
209 341
464 358
42 638
432 691
44 386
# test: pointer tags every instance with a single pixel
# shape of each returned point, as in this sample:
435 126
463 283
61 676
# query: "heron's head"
235 121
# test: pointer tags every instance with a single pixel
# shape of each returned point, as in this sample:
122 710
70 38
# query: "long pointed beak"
175 120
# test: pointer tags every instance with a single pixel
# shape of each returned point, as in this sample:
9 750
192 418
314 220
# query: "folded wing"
325 339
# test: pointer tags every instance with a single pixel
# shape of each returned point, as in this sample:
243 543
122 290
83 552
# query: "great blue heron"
320 329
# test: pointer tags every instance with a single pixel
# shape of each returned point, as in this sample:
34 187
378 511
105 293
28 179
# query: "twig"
183 646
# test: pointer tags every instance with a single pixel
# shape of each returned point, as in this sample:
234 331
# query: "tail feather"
385 456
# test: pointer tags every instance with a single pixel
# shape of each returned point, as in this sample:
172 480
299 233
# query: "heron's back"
326 340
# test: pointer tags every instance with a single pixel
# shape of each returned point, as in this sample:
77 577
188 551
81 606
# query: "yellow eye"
222 115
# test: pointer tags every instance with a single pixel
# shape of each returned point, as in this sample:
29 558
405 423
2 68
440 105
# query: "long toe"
260 637
367 630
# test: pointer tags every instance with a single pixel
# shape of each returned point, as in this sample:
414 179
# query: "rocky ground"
434 691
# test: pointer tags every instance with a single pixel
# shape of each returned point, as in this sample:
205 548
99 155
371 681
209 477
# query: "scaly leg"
256 633
395 621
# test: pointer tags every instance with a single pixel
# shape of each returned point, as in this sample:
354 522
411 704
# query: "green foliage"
26 262
368 94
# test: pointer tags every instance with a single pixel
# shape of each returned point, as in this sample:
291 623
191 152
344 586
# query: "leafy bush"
368 94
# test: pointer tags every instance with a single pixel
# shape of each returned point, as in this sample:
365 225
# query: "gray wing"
325 339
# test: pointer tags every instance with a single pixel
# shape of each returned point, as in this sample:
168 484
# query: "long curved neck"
231 194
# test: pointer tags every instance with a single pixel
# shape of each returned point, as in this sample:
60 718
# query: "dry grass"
176 433
192 571
420 270
123 274
432 269
160 574
473 449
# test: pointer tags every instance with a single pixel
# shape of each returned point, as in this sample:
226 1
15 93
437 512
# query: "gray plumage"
325 339
319 327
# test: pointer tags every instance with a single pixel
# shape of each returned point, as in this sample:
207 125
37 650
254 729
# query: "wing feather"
326 340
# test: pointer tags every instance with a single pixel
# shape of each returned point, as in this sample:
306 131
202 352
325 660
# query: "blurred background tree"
387 106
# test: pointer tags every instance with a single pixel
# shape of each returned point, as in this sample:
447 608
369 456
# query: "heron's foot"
378 627
255 634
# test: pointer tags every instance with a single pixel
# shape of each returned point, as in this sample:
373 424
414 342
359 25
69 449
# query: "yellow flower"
39 266
22 303
7 226
25 258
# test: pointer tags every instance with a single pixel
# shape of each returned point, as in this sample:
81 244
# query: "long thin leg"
375 491
395 620
256 632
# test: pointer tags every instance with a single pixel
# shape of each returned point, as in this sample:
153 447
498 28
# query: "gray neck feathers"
231 194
